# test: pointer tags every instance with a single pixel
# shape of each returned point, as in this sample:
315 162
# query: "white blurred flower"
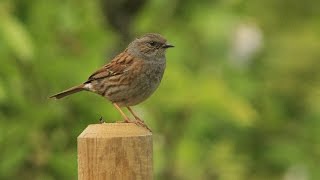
296 172
247 40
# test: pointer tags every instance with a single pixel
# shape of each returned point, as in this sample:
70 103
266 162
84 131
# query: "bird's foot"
142 124
138 122
138 119
125 121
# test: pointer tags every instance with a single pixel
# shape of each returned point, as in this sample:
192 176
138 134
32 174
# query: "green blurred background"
240 98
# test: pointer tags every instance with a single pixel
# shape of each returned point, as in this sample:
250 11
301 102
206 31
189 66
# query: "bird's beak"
167 46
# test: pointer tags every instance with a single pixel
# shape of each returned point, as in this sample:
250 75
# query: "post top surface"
106 130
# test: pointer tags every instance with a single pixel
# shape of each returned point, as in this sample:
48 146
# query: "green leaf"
16 36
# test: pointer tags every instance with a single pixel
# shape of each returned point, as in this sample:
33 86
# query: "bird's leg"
134 115
138 121
126 119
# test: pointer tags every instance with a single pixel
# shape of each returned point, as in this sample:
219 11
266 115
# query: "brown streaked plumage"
131 77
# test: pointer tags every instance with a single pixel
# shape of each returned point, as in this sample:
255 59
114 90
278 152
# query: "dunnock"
131 77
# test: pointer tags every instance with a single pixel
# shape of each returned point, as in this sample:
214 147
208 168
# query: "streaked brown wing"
117 66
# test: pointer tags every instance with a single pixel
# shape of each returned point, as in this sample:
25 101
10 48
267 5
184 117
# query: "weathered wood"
115 151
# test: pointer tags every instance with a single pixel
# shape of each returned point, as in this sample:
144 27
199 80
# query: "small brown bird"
131 77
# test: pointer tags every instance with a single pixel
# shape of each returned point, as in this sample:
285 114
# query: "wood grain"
115 151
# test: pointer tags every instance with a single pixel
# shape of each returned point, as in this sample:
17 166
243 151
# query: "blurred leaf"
16 36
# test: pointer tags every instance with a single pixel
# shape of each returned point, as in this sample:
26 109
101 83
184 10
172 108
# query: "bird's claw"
138 122
142 124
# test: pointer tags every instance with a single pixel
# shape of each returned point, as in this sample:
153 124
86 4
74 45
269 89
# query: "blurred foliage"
240 98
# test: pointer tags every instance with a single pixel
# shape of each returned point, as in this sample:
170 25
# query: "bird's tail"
68 92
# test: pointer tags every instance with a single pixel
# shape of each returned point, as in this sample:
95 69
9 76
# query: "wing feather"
117 66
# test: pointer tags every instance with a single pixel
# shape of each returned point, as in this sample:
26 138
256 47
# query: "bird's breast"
135 85
155 71
145 83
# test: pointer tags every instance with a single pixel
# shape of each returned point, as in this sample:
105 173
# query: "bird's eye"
152 43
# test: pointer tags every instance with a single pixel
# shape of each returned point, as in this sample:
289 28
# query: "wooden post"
115 151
